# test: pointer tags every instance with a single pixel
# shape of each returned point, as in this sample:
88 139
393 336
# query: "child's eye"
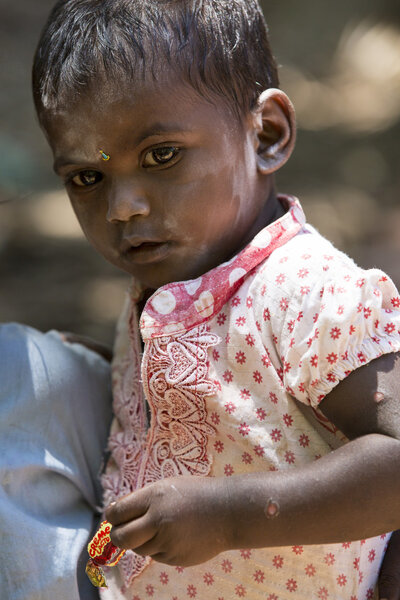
86 178
160 156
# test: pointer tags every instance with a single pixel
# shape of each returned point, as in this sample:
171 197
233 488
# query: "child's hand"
178 521
389 576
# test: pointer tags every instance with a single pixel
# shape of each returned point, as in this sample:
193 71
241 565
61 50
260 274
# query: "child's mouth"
147 252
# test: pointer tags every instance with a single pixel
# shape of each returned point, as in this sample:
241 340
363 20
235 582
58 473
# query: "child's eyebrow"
159 129
151 131
62 162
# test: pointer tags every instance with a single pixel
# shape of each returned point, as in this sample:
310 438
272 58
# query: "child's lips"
145 251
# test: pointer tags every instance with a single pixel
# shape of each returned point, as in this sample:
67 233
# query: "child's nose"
126 202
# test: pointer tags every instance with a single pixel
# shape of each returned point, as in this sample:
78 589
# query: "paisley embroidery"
126 445
177 386
175 378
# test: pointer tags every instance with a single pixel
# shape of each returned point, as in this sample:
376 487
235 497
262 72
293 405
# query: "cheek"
212 189
92 223
206 213
223 199
82 216
228 181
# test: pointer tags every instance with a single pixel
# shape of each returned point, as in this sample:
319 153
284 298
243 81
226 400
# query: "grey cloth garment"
55 414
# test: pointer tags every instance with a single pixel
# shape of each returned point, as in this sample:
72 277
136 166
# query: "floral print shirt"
235 364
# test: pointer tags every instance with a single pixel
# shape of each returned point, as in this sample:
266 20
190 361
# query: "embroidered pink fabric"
225 357
176 444
174 370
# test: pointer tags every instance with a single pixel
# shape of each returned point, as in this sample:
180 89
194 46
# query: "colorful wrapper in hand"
102 552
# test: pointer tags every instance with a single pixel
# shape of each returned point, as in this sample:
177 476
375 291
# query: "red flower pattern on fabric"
228 403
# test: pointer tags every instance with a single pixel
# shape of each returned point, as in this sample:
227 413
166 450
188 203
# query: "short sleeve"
340 325
323 316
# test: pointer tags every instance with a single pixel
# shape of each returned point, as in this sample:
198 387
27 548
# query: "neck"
271 211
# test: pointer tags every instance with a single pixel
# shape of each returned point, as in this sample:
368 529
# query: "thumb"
389 575
129 507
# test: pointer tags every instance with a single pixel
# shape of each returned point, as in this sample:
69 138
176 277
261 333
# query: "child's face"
180 192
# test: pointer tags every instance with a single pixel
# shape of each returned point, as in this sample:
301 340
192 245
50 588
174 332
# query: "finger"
133 534
389 576
129 507
149 548
166 559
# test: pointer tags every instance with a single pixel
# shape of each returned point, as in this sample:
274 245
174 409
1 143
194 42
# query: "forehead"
129 112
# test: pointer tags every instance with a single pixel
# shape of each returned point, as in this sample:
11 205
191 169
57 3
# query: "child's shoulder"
308 272
304 262
310 250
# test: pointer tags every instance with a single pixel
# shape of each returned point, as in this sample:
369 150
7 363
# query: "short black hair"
220 47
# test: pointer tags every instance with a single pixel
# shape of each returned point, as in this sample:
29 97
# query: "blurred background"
340 64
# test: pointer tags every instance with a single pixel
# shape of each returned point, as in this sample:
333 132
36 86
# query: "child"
257 430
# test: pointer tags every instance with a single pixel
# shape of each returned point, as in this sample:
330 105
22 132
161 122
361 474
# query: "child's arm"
389 574
351 493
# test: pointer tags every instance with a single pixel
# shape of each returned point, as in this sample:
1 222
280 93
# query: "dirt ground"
340 64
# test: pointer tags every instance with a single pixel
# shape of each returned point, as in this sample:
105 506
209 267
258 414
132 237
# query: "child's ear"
275 130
